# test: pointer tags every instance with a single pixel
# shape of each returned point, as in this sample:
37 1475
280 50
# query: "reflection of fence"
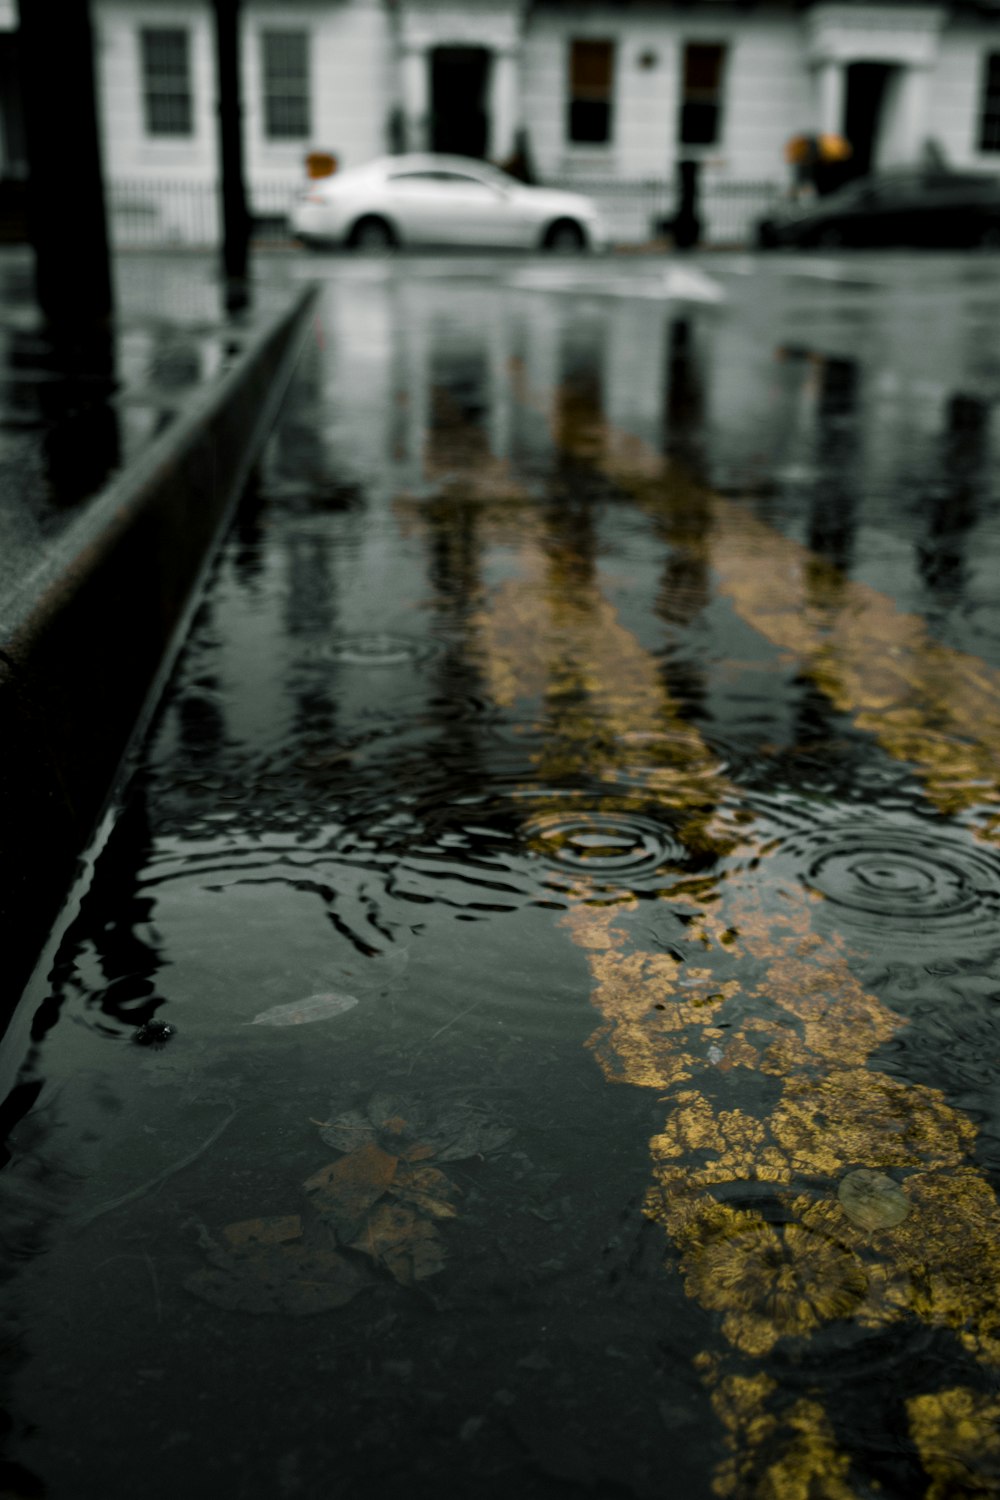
165 213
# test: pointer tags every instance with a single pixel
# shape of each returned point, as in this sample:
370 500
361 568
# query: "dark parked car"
920 207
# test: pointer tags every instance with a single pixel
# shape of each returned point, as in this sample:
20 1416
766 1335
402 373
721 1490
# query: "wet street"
531 1028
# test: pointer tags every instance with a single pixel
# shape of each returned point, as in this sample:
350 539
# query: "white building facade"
593 93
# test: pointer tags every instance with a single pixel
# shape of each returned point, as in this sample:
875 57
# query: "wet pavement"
532 1027
75 410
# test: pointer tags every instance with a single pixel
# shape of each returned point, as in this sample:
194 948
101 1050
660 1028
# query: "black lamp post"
67 222
235 214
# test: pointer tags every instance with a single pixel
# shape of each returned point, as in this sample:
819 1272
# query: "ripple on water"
609 850
659 760
500 846
377 649
918 886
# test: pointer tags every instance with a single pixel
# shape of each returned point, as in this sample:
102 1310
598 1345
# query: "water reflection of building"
953 496
66 390
835 488
613 91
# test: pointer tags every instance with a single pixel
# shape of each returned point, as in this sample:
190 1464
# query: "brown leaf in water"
392 1120
418 1151
277 1230
344 1191
407 1128
396 1237
425 1188
399 1120
277 1278
872 1200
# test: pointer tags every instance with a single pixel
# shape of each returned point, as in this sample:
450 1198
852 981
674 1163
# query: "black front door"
459 121
866 84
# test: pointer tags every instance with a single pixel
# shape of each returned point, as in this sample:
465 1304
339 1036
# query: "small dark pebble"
154 1034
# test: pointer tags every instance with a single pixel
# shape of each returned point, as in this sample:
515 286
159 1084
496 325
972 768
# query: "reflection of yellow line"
926 704
550 643
812 1026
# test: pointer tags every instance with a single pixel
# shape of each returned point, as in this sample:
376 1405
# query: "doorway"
459 118
13 151
863 105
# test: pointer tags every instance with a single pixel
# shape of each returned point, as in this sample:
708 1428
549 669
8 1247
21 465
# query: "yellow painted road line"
770 996
925 703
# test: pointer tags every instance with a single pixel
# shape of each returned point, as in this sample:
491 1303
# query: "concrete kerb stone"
91 630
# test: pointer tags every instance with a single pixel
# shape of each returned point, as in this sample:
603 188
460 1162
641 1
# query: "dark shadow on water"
953 497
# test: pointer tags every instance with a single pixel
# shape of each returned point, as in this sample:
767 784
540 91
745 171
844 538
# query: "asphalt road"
532 1027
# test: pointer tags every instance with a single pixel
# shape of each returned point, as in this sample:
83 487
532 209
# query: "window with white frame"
285 85
591 83
989 107
703 69
166 80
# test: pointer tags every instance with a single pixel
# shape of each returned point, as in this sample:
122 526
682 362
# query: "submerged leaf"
407 1128
277 1278
395 1112
391 1119
344 1191
425 1188
406 1245
348 1131
270 1231
466 1130
302 1012
872 1200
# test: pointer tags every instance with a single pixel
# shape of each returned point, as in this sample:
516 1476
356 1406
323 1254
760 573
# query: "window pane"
590 68
285 55
589 120
702 67
166 80
699 123
989 118
591 78
285 69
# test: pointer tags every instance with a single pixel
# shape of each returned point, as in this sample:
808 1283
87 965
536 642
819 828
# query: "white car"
441 200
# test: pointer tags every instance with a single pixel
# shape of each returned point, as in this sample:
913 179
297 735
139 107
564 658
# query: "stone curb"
93 628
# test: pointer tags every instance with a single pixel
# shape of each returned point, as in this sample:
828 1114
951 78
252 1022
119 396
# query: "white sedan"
441 200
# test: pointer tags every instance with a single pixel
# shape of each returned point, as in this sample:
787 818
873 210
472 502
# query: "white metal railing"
160 213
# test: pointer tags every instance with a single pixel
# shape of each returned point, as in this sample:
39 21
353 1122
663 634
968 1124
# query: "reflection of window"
591 69
989 111
285 61
701 94
166 80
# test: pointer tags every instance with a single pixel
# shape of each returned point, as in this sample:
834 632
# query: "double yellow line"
752 1201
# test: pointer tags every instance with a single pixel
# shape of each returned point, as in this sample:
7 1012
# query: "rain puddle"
531 1027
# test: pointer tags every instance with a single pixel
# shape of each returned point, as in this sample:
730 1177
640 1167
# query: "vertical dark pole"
235 215
687 221
67 224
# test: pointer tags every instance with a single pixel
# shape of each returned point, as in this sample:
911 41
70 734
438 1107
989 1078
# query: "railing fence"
165 213
637 211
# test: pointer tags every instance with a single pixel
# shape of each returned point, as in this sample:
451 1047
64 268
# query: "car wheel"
830 238
989 237
373 235
765 237
565 237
